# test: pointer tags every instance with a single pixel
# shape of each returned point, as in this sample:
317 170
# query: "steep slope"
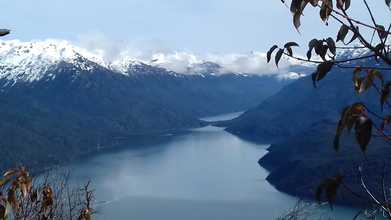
300 121
298 164
299 105
58 101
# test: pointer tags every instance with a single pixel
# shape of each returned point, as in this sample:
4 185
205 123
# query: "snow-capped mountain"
57 100
32 61
36 60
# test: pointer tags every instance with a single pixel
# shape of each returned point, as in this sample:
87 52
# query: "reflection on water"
204 174
223 117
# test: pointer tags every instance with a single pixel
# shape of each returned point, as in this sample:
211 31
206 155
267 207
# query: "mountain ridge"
57 103
30 61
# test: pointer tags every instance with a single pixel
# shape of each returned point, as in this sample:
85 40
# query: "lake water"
203 174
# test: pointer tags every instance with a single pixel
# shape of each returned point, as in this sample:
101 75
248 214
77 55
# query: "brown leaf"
314 2
311 45
363 132
3 212
296 20
381 31
10 173
385 93
323 69
4 181
342 124
85 214
321 50
355 36
289 51
33 196
269 53
319 192
330 187
295 5
4 32
291 44
331 45
337 136
326 9
309 54
279 54
368 81
357 82
358 69
343 31
386 121
343 4
347 4
12 200
47 194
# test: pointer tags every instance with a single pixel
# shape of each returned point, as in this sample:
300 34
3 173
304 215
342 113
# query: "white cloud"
185 62
179 62
251 63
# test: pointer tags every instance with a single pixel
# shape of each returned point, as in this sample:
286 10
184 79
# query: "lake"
205 174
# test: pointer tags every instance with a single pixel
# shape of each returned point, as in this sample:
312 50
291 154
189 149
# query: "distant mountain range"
301 121
58 101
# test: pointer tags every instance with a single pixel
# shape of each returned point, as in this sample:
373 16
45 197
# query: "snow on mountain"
253 63
35 60
30 61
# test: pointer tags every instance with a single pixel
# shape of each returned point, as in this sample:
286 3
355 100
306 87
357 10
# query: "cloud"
251 63
181 62
114 49
156 53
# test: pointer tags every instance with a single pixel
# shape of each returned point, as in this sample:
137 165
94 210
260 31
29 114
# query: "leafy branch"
357 117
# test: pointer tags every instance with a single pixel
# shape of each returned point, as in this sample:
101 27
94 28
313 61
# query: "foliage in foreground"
369 36
46 198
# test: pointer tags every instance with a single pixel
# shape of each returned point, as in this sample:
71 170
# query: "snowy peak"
128 65
31 61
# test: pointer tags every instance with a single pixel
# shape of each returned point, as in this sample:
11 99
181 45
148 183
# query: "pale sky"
200 26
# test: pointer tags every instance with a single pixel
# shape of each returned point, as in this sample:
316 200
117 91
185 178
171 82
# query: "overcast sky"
200 26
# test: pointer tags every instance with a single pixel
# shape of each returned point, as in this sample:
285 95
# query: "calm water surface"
205 174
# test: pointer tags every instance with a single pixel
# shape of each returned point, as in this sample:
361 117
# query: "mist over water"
206 174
